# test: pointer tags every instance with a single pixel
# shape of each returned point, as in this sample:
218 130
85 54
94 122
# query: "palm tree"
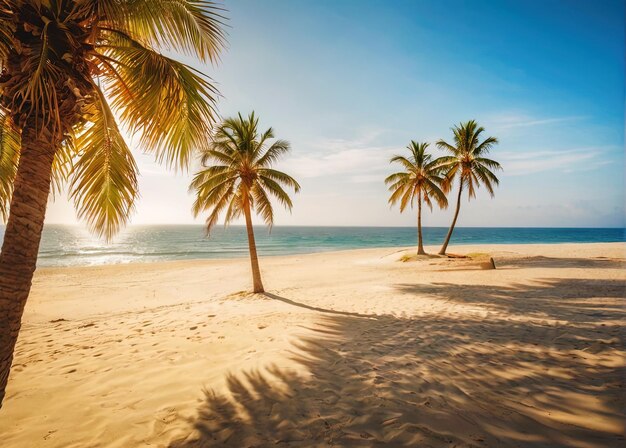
242 180
421 179
65 67
468 164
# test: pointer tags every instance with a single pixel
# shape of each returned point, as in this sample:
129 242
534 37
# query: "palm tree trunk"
420 243
456 215
22 235
257 284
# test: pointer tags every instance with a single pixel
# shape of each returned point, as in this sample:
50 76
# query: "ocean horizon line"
131 226
66 245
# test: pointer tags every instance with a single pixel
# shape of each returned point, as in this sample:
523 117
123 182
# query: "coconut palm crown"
238 178
468 165
72 72
420 181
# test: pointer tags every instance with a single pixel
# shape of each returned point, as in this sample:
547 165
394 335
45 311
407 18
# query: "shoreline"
430 249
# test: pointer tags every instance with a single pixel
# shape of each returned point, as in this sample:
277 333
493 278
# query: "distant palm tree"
468 164
242 180
421 180
65 67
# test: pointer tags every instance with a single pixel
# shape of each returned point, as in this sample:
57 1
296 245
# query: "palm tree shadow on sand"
456 380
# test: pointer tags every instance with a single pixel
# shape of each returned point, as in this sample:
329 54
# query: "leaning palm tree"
421 180
467 163
237 177
69 69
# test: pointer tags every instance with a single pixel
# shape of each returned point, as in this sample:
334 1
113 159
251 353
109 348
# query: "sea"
75 246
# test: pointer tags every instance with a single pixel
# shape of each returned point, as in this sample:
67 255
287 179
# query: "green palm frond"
466 161
280 177
10 144
406 163
407 197
276 190
104 178
263 205
420 179
274 152
396 177
170 105
217 203
194 27
484 147
62 166
398 190
39 94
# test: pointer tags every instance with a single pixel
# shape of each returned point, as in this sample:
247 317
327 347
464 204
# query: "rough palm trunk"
456 215
420 243
22 235
257 284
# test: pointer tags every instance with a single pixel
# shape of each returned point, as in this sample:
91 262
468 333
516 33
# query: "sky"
351 83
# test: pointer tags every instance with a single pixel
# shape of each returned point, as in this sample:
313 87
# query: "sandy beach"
351 348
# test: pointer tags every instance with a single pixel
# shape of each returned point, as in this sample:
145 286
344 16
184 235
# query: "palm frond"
210 188
37 98
10 145
273 153
398 190
276 190
442 144
396 177
194 27
263 205
434 190
407 197
226 197
62 165
485 146
408 165
104 178
491 164
280 177
171 105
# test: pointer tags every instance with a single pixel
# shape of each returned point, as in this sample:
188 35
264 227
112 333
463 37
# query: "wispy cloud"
512 121
359 159
529 162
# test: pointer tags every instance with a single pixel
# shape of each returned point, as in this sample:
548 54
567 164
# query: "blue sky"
350 83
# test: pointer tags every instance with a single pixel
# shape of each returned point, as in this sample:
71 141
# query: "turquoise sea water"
69 246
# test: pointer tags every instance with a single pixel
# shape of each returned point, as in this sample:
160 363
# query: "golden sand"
350 348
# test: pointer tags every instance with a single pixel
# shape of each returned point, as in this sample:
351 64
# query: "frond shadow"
437 380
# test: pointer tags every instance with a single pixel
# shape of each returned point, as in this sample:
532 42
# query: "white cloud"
529 162
359 160
510 121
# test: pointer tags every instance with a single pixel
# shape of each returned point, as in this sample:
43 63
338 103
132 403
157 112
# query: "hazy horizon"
546 78
261 225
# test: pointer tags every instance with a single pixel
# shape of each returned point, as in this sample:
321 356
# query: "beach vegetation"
238 179
467 165
420 181
72 73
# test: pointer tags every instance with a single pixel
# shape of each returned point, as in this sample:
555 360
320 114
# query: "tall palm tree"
468 164
420 180
69 70
238 178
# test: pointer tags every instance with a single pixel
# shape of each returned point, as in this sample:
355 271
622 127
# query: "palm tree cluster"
424 178
73 72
